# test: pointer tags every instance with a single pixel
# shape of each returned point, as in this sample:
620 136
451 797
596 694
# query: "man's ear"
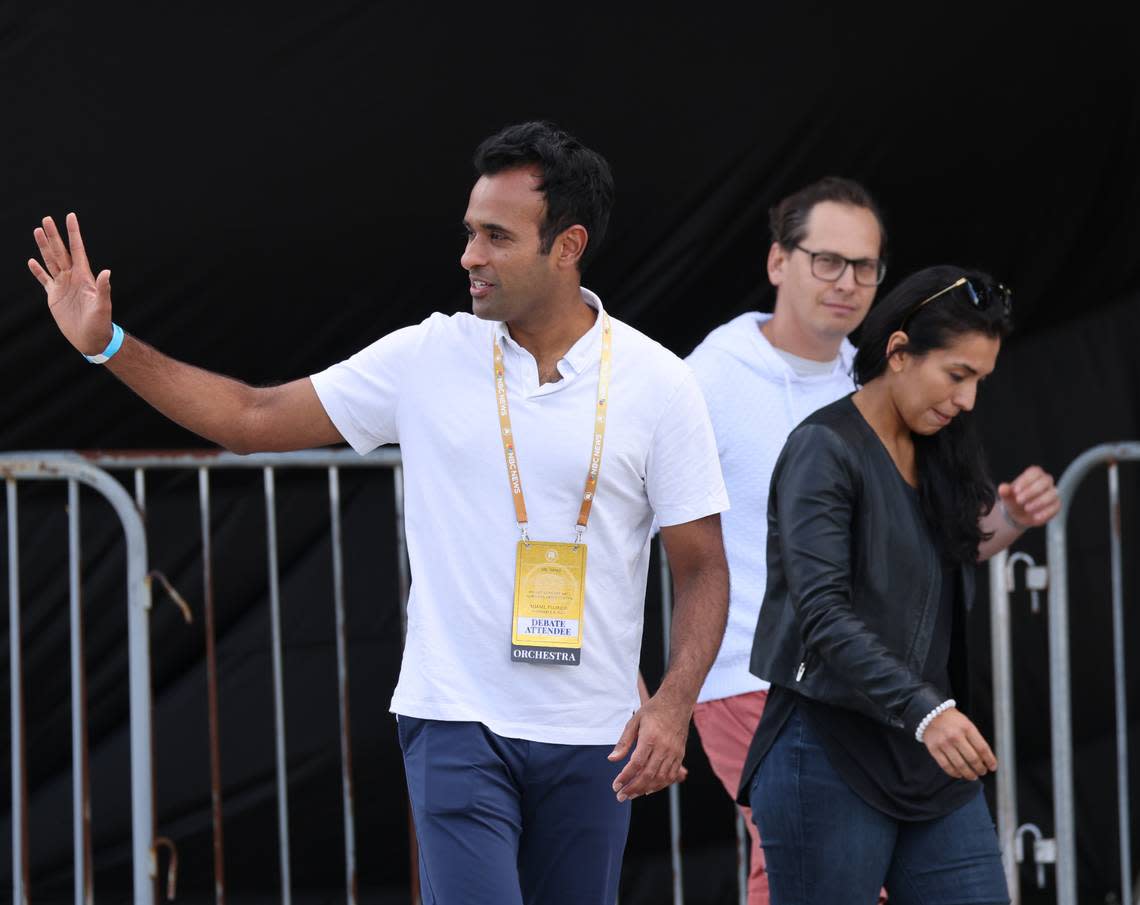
777 263
570 246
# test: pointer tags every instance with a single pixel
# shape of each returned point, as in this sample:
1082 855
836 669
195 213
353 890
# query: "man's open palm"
79 301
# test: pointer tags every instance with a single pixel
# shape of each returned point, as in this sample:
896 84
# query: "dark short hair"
576 182
788 219
954 482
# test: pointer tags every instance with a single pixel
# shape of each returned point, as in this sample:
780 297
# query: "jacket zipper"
807 661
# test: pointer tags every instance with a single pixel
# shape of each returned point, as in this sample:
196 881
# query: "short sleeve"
362 394
683 479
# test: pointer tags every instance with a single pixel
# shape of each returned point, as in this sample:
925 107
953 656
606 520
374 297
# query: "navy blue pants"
502 821
823 844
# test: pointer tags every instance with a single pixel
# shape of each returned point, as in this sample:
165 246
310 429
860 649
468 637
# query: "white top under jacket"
755 398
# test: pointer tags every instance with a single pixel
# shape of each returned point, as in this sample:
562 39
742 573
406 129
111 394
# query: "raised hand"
1031 498
79 301
958 746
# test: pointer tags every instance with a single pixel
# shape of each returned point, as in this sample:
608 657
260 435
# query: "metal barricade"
1064 813
92 470
1060 850
75 471
269 463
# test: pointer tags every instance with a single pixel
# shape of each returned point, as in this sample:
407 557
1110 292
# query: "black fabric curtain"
273 186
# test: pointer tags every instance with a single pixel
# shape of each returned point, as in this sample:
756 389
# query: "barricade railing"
73 470
1061 849
91 471
332 461
1064 812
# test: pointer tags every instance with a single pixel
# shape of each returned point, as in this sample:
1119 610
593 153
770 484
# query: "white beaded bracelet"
929 718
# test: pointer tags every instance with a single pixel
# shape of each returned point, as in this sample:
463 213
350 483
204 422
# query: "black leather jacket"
853 575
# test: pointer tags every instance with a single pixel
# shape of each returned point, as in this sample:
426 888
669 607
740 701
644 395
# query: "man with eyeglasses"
761 375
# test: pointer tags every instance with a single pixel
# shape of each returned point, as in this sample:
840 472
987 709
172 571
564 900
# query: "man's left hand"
659 730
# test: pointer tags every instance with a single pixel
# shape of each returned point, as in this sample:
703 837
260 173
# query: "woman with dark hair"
864 769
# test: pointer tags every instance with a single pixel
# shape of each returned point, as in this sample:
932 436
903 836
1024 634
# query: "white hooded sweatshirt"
755 399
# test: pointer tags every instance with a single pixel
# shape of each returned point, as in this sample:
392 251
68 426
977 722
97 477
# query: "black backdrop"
273 187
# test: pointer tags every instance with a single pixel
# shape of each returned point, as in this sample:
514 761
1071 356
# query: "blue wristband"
112 347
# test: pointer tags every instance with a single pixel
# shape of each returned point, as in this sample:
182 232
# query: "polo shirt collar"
585 351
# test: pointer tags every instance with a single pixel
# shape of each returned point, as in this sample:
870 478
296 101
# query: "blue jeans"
503 821
824 845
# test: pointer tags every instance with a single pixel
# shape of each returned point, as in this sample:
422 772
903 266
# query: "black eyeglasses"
980 295
829 267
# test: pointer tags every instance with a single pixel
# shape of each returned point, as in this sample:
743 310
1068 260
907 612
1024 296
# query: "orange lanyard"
511 454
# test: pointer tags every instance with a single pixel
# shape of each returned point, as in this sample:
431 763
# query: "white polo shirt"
430 389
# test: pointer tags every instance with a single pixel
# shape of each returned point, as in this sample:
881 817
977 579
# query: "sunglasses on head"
979 294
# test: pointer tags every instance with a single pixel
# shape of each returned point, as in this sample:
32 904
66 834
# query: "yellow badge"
550 589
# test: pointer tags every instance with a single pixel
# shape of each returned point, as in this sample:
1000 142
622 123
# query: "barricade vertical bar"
278 687
212 689
1123 798
404 577
142 776
342 688
80 774
16 693
674 790
1002 662
1061 709
144 857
